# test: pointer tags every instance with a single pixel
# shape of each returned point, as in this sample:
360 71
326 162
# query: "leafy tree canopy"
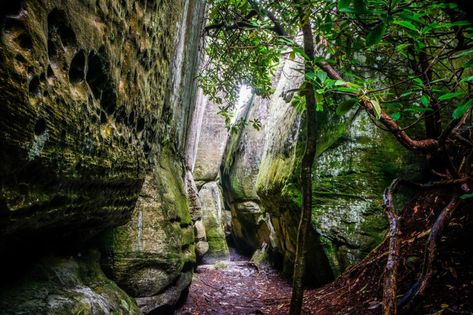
413 59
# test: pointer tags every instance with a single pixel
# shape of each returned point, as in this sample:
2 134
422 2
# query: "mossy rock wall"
96 102
240 168
214 219
355 162
83 109
64 285
148 255
277 182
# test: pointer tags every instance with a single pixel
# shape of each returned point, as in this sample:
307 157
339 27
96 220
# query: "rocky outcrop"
356 162
214 218
64 285
212 215
261 175
211 146
153 255
96 103
240 168
152 252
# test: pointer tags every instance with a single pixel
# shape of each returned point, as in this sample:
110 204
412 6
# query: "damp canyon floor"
235 286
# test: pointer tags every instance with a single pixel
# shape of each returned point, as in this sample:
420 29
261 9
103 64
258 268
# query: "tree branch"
386 120
240 24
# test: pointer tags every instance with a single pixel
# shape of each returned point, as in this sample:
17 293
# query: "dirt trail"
236 286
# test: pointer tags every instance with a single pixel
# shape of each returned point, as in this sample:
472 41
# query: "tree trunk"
306 173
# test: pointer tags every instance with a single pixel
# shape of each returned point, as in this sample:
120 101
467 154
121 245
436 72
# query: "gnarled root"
418 289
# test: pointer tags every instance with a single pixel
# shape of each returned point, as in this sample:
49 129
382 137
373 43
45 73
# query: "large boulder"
148 255
63 285
213 218
355 162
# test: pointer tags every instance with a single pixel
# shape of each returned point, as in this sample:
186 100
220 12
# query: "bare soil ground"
236 286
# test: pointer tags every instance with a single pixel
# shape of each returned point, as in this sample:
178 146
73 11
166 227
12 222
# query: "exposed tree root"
430 253
370 288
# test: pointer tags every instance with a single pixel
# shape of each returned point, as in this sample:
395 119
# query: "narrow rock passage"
236 286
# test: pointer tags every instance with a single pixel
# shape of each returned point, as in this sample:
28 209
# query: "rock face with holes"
96 100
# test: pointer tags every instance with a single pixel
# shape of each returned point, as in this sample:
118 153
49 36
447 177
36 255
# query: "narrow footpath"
236 286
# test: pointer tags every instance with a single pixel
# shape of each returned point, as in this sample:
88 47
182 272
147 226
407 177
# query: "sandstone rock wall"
97 99
240 170
350 172
206 172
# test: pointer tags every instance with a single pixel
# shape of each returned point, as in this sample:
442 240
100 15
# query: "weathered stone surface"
149 253
251 227
213 218
278 177
356 161
161 302
240 170
261 174
59 285
83 90
201 248
96 103
243 153
213 135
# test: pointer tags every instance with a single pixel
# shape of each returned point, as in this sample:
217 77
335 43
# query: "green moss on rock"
56 285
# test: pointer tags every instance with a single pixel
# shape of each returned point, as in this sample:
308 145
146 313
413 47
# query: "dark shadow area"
77 68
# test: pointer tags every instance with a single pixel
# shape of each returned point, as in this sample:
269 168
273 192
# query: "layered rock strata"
96 103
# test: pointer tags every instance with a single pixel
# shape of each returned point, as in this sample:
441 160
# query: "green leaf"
396 116
468 64
424 100
467 79
310 76
466 196
346 105
402 49
449 96
319 105
418 82
343 5
406 24
409 93
347 89
299 51
376 34
322 76
462 53
461 110
125 305
376 108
